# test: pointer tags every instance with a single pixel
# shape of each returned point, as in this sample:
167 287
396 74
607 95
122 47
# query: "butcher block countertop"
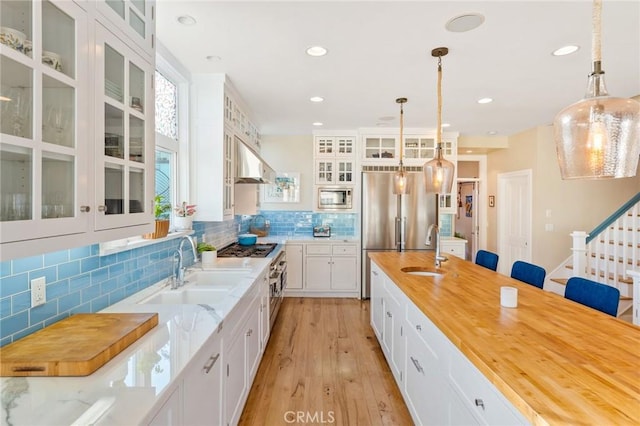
556 361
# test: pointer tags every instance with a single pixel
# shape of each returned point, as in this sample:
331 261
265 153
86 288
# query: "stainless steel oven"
277 284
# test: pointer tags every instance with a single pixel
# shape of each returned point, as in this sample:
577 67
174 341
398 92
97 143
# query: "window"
167 141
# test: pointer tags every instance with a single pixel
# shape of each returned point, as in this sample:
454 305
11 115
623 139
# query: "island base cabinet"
426 388
202 386
235 381
377 301
170 413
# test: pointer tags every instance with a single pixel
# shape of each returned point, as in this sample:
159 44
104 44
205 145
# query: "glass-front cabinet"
135 18
124 134
44 111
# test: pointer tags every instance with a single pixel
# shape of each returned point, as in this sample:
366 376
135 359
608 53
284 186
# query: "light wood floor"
323 360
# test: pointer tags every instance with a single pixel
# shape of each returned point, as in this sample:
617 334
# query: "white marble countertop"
127 389
284 239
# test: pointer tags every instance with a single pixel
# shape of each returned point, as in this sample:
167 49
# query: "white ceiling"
379 51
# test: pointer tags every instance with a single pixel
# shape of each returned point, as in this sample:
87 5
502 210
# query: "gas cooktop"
255 250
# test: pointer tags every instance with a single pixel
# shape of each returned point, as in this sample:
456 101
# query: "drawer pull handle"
389 314
417 365
213 360
479 403
419 327
250 332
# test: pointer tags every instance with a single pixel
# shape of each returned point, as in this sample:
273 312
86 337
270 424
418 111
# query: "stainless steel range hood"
250 167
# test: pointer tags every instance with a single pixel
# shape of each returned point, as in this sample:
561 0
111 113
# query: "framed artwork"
286 189
468 206
492 200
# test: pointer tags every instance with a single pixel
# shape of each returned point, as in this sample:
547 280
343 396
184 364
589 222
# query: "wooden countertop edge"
524 404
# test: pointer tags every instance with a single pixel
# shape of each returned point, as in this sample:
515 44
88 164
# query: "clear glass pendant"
400 182
438 173
599 136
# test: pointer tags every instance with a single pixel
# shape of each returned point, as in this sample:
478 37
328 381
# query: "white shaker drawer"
314 249
344 249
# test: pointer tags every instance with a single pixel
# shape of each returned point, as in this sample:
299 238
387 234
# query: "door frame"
504 207
483 222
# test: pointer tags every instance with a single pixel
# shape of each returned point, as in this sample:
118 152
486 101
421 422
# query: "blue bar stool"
487 259
528 273
593 294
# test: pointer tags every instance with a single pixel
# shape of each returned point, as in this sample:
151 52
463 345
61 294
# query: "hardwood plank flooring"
323 365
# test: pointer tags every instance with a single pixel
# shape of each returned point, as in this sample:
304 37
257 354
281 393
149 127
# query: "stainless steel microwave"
335 198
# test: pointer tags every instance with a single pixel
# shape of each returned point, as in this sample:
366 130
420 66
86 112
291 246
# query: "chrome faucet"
439 257
179 271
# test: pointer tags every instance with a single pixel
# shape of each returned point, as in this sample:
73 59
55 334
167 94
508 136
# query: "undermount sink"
192 296
218 278
421 271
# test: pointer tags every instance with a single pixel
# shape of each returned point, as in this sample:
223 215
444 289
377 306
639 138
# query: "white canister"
509 297
208 258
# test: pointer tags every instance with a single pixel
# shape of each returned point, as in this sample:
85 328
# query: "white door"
514 218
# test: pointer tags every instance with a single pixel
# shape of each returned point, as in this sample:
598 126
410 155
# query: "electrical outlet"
38 291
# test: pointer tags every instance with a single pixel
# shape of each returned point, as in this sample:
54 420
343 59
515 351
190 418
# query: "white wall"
291 154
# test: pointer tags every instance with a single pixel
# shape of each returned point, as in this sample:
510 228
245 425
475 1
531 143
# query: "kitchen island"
554 360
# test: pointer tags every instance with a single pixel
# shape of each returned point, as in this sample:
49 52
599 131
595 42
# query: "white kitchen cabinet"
295 262
334 160
377 301
202 385
253 342
218 124
380 148
331 267
125 136
135 18
43 151
265 323
170 413
453 246
68 176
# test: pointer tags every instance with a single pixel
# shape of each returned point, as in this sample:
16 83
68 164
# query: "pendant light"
400 177
438 172
598 137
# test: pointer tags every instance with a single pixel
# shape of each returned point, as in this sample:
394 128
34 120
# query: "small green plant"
161 208
202 246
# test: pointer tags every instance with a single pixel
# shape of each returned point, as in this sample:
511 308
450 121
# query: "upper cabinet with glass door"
135 18
44 149
125 134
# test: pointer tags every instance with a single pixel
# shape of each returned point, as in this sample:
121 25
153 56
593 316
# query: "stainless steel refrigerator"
387 224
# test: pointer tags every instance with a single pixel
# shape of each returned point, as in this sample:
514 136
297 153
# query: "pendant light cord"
596 52
439 119
401 128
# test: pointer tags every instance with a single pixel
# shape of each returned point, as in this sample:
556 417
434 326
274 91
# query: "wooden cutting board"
75 346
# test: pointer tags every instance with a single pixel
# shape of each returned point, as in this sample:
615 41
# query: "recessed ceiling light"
485 100
465 22
316 99
382 124
565 50
316 51
446 125
492 132
317 123
213 58
186 20
469 151
5 99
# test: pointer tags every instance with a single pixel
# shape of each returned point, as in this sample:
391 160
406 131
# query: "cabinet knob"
85 209
419 327
389 314
102 209
249 332
479 403
212 361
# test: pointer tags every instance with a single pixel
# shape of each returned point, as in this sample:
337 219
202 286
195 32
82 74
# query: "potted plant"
183 219
208 254
161 211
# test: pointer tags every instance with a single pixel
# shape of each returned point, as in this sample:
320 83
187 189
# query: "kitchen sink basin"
421 271
192 296
218 278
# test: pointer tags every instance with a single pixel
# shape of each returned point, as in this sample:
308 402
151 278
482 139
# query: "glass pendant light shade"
599 136
400 183
438 174
400 177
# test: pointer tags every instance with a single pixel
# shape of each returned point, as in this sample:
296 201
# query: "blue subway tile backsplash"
79 280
